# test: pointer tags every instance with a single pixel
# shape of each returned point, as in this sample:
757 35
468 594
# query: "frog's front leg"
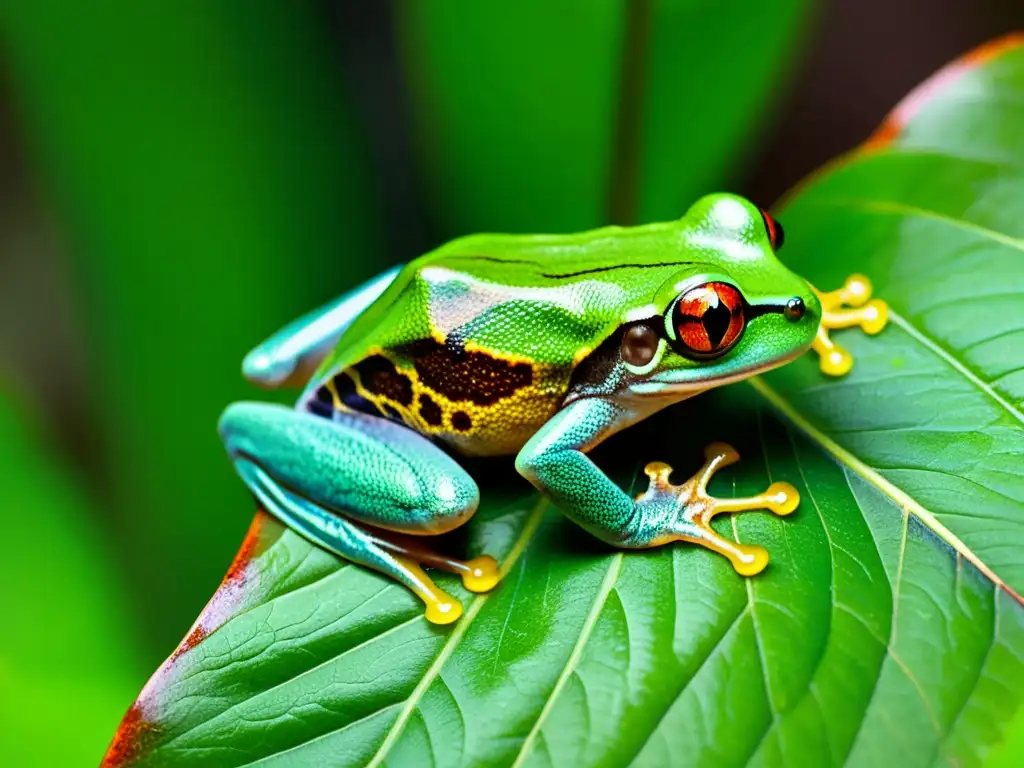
354 485
554 461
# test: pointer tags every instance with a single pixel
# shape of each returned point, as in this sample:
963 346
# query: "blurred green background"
179 180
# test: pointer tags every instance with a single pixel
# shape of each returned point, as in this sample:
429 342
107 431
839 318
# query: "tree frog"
540 346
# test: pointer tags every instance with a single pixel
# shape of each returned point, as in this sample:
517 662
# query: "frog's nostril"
795 309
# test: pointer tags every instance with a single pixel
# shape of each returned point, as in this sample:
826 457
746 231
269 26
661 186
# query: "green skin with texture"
502 344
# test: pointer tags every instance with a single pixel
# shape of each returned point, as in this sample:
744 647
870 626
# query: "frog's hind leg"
693 523
289 357
362 487
344 538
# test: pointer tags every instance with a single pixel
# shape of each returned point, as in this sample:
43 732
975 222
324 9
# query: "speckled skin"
501 344
549 301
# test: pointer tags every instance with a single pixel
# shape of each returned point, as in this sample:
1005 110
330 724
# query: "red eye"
708 319
776 234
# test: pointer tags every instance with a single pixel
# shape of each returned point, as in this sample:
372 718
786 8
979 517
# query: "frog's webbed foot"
692 508
481 574
849 306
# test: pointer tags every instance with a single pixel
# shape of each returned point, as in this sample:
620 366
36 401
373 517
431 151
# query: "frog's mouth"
673 385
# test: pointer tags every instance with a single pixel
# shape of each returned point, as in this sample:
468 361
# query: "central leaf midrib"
947 357
607 585
432 673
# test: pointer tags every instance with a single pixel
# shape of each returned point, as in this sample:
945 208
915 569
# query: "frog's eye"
639 344
707 320
776 234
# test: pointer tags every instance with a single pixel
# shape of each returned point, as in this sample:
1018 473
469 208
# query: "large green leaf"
888 629
67 646
528 113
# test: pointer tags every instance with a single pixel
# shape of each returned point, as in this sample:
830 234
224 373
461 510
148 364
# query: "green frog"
541 346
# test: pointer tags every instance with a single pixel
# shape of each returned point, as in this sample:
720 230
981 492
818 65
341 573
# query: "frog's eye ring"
708 320
776 234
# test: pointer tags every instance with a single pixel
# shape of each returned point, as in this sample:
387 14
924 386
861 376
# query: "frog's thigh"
365 468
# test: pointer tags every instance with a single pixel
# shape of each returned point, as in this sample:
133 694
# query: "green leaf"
931 209
67 650
528 113
208 175
888 628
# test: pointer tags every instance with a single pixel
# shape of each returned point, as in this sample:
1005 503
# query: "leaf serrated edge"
532 523
905 501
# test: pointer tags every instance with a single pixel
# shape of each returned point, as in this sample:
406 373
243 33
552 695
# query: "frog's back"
474 344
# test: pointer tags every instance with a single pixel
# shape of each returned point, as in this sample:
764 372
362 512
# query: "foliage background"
178 182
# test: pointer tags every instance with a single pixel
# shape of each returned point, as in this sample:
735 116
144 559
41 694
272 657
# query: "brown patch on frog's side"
134 738
322 403
393 413
461 421
345 388
430 411
379 376
468 376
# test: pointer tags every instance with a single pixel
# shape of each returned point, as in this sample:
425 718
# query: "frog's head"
732 312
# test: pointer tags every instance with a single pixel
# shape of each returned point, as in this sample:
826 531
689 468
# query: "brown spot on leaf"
897 120
134 738
248 550
475 377
993 49
195 637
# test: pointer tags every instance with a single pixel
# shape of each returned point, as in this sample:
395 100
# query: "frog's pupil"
716 320
708 319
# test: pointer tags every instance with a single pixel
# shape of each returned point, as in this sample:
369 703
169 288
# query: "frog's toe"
684 512
749 560
481 574
658 472
781 498
443 611
724 453
849 307
876 317
833 360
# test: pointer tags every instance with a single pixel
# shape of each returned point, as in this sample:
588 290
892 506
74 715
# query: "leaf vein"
530 527
607 585
898 495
